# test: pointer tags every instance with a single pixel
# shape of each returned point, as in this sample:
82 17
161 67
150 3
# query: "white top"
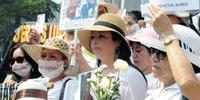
153 84
133 85
171 92
71 89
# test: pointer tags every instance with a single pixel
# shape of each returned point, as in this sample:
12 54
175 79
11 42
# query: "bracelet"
167 40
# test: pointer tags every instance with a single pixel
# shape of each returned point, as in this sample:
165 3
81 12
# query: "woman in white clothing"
141 55
53 58
176 58
105 39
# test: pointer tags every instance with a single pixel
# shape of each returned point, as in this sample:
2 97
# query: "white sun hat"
189 42
32 89
142 34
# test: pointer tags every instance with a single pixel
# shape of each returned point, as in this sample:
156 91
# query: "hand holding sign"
161 23
34 37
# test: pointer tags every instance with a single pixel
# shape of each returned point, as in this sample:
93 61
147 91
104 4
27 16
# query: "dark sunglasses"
159 54
17 59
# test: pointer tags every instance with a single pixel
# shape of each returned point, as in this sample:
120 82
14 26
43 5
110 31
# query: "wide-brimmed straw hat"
111 8
189 41
105 22
53 44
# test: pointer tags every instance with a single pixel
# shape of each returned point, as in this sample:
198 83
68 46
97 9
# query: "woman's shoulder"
71 88
71 79
133 74
133 71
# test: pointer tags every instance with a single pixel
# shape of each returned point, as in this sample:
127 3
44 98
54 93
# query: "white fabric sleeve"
71 89
133 85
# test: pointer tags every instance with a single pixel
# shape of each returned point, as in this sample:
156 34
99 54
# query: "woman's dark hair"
148 49
133 16
34 73
138 14
121 48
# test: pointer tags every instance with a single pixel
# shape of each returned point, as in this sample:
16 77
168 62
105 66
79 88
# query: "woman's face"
18 55
52 64
141 56
129 20
51 55
161 67
19 64
102 44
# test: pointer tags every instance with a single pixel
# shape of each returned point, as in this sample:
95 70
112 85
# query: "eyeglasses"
159 54
17 59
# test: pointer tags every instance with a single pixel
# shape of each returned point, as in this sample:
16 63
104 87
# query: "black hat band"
103 23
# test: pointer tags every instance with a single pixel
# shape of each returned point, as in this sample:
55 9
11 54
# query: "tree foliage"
12 11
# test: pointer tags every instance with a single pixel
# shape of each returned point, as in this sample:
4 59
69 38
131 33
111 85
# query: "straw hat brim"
34 51
84 36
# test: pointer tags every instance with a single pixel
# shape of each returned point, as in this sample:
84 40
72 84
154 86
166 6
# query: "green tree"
11 11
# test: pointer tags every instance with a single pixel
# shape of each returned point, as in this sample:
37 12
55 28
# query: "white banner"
172 5
77 14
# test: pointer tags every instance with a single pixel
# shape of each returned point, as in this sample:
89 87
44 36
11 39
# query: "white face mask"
22 69
50 69
134 28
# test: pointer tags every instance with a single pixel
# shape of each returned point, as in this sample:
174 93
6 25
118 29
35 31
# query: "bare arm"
181 67
81 61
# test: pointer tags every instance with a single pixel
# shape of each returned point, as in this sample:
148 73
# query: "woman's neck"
110 68
147 70
108 61
24 78
60 77
168 83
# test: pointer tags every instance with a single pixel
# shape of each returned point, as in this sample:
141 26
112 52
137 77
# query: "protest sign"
48 31
82 84
121 13
40 22
77 14
171 5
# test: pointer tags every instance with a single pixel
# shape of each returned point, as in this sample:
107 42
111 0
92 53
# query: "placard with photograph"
76 14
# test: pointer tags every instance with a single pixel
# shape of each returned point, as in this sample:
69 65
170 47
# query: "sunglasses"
159 54
17 59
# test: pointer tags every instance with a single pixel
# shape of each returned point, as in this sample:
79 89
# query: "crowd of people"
163 58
